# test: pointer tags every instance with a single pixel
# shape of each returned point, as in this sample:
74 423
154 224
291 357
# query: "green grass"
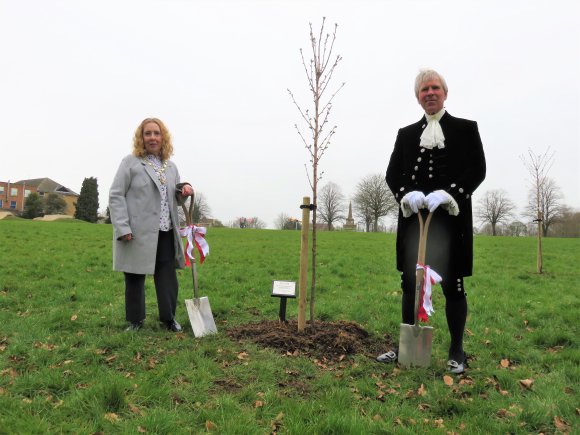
67 366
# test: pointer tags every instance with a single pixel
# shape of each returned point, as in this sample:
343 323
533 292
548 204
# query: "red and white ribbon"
426 303
195 236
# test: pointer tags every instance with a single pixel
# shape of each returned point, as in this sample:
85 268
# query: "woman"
143 202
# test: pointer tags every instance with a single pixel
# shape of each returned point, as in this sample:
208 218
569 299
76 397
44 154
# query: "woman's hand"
126 237
186 190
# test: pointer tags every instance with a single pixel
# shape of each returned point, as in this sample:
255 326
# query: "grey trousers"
166 285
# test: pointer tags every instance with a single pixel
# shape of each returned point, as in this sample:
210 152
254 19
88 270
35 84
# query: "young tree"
373 200
495 207
538 167
54 204
87 205
319 72
550 204
331 204
33 206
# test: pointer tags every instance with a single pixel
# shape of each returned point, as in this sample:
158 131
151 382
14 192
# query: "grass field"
66 366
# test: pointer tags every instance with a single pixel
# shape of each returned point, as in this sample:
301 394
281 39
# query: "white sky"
77 77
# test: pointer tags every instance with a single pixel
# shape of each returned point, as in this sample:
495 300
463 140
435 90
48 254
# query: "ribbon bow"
195 236
425 303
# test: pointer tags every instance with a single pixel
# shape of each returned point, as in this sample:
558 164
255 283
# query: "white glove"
443 199
412 202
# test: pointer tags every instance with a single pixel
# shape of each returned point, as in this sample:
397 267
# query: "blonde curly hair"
166 143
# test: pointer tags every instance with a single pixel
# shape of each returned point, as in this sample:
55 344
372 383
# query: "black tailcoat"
458 168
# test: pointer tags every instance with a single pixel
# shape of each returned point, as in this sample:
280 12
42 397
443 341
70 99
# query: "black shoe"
172 325
134 326
457 367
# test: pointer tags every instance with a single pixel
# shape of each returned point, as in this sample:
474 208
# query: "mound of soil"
326 340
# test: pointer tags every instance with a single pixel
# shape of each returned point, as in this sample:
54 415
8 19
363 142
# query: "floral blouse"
159 167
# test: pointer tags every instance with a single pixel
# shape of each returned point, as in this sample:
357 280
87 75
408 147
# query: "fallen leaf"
561 425
243 355
134 409
505 363
527 383
26 400
111 358
377 417
469 332
398 421
210 425
258 404
448 380
504 413
112 417
438 423
421 391
141 429
74 317
277 422
423 406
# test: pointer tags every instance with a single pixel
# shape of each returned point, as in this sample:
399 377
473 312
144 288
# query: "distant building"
13 195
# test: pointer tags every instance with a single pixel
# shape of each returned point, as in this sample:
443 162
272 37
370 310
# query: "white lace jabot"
433 135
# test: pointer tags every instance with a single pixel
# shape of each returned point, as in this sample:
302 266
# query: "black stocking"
456 312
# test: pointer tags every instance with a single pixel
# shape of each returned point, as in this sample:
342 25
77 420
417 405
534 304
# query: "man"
437 163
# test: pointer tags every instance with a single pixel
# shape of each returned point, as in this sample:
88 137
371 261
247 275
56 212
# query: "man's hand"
441 198
412 202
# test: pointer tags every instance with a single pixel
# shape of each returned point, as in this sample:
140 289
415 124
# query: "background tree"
538 167
54 204
201 209
33 206
568 223
87 205
550 205
517 229
249 222
281 220
286 222
494 207
319 72
108 216
331 204
373 200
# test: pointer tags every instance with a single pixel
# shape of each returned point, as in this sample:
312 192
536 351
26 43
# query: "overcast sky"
77 77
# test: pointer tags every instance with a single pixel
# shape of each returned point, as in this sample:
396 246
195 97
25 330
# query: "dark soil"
331 341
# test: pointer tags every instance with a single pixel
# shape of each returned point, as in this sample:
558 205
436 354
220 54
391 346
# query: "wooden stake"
303 263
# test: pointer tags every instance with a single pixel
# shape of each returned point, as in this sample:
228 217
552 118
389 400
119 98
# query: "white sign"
284 289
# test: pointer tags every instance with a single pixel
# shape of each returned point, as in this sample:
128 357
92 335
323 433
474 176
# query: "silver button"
412 177
453 185
430 168
422 150
401 189
416 168
430 175
461 190
418 159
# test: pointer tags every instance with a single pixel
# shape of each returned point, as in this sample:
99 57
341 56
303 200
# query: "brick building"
13 195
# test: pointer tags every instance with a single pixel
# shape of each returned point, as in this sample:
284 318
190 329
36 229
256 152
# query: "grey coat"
135 205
